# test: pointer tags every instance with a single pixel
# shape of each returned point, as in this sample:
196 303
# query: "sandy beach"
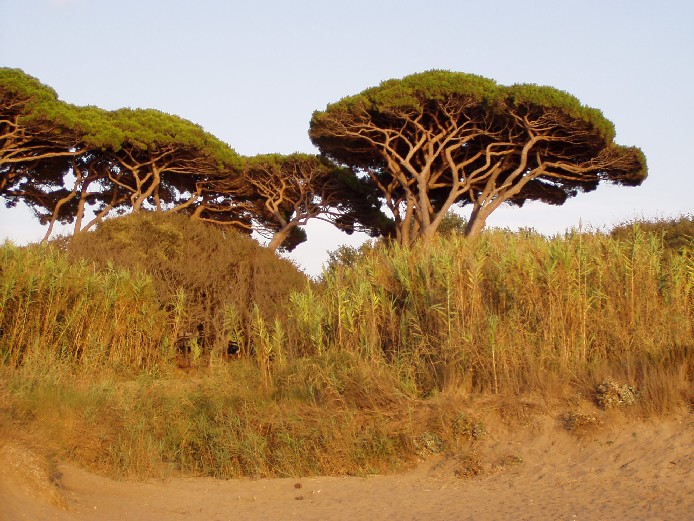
635 470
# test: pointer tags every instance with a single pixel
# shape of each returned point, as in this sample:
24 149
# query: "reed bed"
508 313
388 358
56 312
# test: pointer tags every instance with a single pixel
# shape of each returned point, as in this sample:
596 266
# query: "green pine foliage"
544 96
18 86
417 90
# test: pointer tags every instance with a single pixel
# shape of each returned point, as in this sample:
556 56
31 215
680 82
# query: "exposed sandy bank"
642 470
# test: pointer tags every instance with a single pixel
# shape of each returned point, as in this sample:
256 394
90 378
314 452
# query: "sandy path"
636 471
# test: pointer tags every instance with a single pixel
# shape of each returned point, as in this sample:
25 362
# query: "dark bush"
677 232
217 269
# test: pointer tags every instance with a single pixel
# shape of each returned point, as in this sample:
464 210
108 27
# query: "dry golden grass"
514 313
393 356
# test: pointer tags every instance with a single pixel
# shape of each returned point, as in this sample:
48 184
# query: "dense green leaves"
63 160
536 97
416 145
148 129
437 139
417 90
20 90
277 194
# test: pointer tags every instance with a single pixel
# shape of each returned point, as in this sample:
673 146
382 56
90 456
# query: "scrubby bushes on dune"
376 364
227 424
210 280
510 312
56 312
122 295
676 232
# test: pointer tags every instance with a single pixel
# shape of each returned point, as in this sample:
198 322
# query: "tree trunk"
279 237
478 219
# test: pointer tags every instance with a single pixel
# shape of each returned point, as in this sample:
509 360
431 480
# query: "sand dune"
633 470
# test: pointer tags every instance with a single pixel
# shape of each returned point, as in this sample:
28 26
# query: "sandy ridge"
635 470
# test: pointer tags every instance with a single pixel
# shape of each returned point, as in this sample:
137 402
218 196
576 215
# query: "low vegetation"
211 281
395 354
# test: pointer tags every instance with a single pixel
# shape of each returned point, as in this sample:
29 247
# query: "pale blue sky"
253 72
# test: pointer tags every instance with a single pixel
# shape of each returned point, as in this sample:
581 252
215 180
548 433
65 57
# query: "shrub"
209 279
677 232
610 394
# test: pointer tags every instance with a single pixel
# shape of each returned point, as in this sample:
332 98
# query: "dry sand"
630 471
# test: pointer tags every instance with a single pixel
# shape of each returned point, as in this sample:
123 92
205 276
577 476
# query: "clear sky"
253 72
